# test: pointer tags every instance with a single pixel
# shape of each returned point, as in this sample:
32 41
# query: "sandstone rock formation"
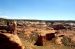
10 41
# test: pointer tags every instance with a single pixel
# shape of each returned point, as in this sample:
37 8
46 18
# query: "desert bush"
66 41
33 37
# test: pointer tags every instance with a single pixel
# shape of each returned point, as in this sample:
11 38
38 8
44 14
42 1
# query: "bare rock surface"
13 38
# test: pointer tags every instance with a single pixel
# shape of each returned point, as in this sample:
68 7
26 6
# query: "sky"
38 9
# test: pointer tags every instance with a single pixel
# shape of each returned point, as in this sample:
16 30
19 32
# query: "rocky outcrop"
10 41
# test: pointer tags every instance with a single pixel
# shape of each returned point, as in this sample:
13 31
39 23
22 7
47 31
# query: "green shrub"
33 37
66 41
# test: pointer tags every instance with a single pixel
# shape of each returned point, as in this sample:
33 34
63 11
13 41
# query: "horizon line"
36 19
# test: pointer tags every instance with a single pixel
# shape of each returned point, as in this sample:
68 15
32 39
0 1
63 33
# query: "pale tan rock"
14 38
58 40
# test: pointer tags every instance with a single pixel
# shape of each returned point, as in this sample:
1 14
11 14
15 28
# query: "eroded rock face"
44 36
50 36
10 41
39 42
58 40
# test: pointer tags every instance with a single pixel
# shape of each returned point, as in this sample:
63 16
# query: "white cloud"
36 18
7 17
25 17
3 16
19 17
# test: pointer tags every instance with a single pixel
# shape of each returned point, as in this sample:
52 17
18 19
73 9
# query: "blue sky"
38 9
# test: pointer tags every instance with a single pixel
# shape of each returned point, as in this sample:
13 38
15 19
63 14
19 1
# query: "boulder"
10 41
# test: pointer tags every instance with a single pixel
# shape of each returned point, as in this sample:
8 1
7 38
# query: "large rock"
10 41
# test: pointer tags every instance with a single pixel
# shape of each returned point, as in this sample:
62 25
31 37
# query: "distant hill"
39 20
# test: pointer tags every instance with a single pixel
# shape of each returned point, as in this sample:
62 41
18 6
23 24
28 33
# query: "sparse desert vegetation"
42 34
